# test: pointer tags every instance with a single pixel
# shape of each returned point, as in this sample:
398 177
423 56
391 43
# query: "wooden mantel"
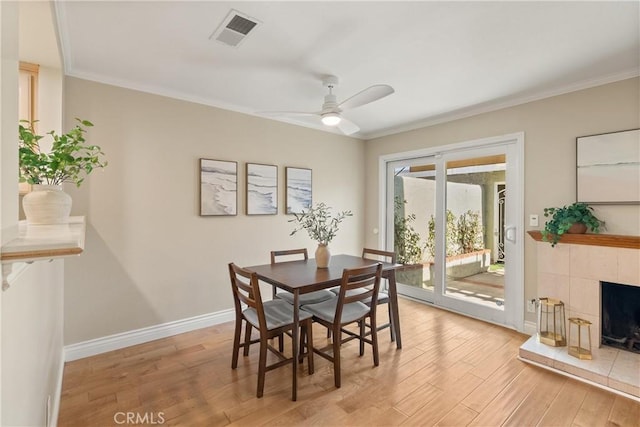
41 242
611 240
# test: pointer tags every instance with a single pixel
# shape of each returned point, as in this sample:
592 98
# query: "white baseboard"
139 336
530 328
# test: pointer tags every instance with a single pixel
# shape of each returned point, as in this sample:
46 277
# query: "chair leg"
247 339
236 343
262 366
392 324
309 333
302 346
374 340
336 356
281 343
362 332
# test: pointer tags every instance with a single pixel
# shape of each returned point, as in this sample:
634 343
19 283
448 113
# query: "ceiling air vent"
234 29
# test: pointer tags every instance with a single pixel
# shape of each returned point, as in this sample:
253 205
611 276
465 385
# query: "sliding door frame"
514 296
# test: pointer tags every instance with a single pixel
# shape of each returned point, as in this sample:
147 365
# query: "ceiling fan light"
331 119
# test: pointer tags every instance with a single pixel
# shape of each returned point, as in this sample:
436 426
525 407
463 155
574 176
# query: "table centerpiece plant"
69 160
321 227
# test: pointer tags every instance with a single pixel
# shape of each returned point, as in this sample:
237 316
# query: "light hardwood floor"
452 371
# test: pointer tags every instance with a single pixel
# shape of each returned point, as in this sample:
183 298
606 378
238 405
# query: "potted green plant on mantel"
69 160
575 218
322 227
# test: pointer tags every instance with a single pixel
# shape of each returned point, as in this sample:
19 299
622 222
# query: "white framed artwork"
262 189
299 194
608 168
218 188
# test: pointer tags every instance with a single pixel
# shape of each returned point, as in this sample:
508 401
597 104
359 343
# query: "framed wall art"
299 193
262 189
608 168
218 188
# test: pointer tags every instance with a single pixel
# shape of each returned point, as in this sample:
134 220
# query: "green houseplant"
407 246
69 160
321 227
406 239
463 234
578 215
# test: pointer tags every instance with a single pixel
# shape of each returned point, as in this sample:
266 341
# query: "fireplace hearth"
620 316
574 272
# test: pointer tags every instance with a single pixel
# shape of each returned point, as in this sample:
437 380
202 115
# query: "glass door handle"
510 234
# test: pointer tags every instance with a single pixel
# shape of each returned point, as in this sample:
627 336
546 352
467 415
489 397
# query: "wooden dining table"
304 276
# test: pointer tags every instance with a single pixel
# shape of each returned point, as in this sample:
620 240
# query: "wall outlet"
531 306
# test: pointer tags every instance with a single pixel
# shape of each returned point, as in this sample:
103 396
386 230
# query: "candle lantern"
579 344
551 328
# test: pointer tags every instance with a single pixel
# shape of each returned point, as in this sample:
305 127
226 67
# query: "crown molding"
501 104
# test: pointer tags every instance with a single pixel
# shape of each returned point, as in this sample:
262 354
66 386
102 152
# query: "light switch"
533 220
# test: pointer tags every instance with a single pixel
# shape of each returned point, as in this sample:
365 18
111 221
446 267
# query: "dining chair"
309 298
349 308
272 319
383 297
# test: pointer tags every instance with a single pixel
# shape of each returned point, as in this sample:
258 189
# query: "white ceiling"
444 59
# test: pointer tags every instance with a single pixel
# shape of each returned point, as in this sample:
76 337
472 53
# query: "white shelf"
42 242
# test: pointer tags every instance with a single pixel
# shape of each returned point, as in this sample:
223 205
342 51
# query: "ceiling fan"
331 112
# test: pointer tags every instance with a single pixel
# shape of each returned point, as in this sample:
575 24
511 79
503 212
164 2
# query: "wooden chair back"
246 290
365 279
378 255
289 254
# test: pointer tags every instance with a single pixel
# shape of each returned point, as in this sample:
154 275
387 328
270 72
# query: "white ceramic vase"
323 256
47 204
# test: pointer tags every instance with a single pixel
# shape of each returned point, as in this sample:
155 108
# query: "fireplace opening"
621 316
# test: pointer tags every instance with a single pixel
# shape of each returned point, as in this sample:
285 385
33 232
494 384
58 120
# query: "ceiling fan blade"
368 95
347 127
312 120
289 113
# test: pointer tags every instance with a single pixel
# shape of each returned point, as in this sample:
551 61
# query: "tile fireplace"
578 272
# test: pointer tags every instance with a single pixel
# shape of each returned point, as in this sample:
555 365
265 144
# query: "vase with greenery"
574 218
321 226
70 159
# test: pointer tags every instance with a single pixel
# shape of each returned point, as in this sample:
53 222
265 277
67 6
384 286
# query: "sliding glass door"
411 208
453 220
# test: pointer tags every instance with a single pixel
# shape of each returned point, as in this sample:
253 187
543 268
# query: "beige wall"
32 350
31 310
149 258
9 118
4 122
551 127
